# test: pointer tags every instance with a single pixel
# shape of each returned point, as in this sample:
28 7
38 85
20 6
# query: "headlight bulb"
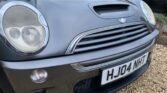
31 36
14 33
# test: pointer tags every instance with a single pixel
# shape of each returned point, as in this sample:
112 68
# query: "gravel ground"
155 78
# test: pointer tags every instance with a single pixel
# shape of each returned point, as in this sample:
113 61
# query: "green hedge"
160 18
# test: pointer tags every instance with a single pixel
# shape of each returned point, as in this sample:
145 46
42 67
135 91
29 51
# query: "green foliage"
160 18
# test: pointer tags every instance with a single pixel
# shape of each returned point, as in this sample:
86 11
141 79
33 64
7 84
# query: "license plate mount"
117 72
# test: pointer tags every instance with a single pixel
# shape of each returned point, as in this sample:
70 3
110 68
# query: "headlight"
24 26
148 12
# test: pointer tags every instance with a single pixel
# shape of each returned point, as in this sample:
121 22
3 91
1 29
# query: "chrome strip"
76 40
81 68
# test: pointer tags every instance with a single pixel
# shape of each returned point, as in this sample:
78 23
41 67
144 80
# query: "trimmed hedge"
160 18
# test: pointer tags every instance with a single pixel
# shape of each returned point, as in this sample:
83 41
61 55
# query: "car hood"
68 18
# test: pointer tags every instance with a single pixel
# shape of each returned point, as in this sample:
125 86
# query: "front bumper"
66 73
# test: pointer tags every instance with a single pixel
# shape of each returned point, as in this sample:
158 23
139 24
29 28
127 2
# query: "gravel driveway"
155 78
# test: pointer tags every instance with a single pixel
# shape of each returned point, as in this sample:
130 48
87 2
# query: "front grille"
110 37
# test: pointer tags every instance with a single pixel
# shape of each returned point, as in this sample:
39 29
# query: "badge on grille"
122 20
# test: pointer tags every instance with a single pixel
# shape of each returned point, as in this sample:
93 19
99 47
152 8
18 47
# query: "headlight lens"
148 12
24 27
32 36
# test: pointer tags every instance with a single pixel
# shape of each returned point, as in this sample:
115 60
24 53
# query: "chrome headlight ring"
35 29
148 13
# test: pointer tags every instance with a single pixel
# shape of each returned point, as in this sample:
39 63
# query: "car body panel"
67 19
65 22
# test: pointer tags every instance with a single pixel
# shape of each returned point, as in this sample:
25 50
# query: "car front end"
61 46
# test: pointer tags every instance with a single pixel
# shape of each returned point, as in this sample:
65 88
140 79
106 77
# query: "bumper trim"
51 62
112 87
80 67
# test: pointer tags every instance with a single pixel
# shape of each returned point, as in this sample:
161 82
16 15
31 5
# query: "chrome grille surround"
108 37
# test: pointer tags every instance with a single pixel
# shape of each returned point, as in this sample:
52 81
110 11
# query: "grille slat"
113 31
110 44
110 38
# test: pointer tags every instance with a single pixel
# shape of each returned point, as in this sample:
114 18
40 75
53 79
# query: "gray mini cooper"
74 46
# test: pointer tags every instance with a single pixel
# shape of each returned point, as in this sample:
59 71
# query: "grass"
160 18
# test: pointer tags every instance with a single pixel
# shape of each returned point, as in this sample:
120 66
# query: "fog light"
39 76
